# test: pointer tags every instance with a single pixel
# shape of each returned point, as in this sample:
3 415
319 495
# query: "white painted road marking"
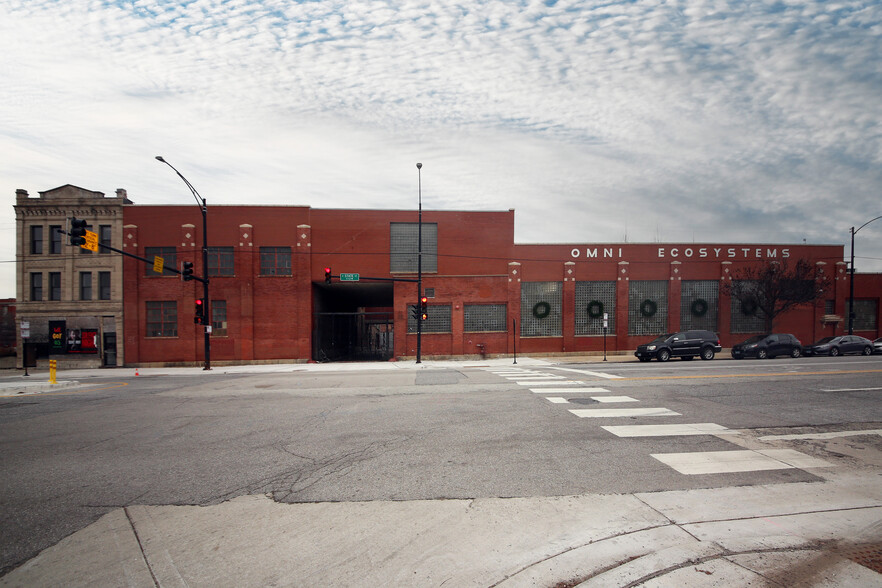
722 462
587 372
568 390
621 412
821 435
614 399
556 400
667 430
549 383
851 390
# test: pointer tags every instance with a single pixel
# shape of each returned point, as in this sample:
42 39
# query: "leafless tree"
773 288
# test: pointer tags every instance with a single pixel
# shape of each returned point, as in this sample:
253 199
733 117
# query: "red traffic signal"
199 307
327 275
424 308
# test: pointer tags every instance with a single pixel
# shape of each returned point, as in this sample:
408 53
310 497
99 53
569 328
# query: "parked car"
834 346
772 345
877 345
685 345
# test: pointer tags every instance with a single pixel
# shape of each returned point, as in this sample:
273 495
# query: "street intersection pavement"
826 533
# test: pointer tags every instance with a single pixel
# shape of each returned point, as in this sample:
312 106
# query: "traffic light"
327 275
199 319
415 311
424 308
77 231
186 270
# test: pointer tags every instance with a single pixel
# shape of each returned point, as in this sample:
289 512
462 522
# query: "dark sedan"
763 346
841 345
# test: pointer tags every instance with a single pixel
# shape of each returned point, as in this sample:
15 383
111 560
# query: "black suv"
763 346
685 345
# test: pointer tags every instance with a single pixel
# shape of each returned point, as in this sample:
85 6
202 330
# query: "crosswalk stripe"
666 430
568 390
614 399
557 400
722 462
536 377
549 383
622 412
589 373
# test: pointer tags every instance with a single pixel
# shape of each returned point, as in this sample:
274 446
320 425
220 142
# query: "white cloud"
705 120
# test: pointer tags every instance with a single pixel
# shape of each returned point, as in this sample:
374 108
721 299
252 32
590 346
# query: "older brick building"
269 300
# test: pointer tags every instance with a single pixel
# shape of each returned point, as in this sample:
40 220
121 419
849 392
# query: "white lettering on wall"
574 253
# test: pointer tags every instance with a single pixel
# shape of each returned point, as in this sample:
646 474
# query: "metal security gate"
352 336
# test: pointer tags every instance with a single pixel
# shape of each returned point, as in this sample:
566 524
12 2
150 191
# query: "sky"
598 121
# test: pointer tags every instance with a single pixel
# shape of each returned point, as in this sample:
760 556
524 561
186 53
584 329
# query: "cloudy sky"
597 121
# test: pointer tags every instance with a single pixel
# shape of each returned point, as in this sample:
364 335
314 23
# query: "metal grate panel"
642 295
482 318
403 250
699 290
746 323
591 293
438 321
533 295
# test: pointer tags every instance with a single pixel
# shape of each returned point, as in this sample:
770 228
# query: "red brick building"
269 299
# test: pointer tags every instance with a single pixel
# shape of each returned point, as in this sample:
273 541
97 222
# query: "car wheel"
868 350
761 354
834 352
664 355
795 352
707 353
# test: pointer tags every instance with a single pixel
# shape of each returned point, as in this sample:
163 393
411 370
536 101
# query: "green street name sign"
349 277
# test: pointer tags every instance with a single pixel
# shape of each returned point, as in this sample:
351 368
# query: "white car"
877 345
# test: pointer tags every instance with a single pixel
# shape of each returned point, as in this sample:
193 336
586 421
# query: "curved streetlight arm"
866 223
851 281
199 199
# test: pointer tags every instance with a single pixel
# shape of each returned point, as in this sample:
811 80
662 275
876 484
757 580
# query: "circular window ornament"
541 310
748 307
648 308
699 307
595 309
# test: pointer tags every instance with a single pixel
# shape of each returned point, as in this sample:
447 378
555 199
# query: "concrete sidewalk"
801 534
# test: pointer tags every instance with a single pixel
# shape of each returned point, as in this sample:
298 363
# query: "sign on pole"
91 241
158 264
25 329
349 277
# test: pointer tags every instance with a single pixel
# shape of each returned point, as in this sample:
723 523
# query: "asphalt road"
306 436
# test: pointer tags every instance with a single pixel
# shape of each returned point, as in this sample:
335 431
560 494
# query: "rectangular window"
647 307
541 309
865 312
54 285
104 238
219 318
829 306
55 239
104 285
699 305
36 239
169 257
162 318
593 299
404 251
483 318
36 287
438 321
746 317
275 261
220 261
85 285
83 250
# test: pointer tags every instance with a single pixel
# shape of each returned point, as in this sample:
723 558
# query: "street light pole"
419 264
851 281
203 207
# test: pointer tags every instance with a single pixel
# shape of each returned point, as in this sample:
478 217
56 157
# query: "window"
746 318
55 239
104 238
865 315
647 307
275 261
541 309
220 261
829 306
104 285
54 285
85 285
162 318
438 321
83 250
169 257
36 239
219 318
593 299
36 287
403 249
699 304
482 318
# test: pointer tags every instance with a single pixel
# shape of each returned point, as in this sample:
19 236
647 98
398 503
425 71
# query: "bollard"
52 365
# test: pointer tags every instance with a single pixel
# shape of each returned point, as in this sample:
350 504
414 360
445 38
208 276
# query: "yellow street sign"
158 263
91 241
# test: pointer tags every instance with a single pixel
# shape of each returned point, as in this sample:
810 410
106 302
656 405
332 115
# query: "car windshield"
824 340
662 338
755 339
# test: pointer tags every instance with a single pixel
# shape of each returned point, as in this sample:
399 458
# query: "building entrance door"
352 336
